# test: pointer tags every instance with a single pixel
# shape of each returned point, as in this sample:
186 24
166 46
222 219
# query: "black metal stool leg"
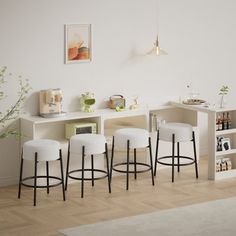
151 162
67 165
35 176
92 167
178 156
173 157
47 173
135 163
112 157
82 178
62 176
21 172
156 155
127 170
108 174
195 155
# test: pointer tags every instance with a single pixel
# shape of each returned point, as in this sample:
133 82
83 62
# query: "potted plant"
13 111
223 91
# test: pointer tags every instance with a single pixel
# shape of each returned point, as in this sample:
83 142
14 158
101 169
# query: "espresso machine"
50 103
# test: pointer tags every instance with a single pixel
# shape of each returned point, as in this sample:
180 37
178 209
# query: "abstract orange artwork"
77 43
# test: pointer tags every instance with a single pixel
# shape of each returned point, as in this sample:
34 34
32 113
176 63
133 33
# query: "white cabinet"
228 152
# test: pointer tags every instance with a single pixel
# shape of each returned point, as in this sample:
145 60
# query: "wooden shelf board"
226 131
225 174
223 153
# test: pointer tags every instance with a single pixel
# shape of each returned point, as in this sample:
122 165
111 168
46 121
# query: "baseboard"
7 181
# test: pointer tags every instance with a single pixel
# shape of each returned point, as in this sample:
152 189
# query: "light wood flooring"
19 217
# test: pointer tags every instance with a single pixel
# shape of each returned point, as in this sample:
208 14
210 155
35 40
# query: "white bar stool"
41 150
87 144
176 133
131 138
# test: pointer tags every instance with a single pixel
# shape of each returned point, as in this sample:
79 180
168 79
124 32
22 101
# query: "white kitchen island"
213 154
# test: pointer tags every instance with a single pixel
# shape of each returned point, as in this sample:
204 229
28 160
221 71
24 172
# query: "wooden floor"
19 217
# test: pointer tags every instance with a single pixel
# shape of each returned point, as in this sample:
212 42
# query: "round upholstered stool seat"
131 138
46 149
183 132
93 143
138 138
85 145
43 150
176 133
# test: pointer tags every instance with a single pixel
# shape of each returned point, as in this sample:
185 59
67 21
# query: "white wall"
199 36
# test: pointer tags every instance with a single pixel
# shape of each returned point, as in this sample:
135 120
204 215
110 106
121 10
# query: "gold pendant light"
157 50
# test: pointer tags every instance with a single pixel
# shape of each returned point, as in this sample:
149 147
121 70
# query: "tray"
194 102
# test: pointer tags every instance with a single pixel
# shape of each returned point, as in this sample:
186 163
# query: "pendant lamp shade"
157 50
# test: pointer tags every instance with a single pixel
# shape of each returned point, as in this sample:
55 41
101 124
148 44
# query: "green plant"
224 90
13 111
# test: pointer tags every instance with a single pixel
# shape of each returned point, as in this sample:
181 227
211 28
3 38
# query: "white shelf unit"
231 153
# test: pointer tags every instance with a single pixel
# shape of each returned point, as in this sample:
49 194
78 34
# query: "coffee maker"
50 103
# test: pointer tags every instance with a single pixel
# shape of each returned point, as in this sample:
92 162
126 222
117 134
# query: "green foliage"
13 111
224 90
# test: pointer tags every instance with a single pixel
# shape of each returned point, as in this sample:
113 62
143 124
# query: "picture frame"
219 143
226 144
78 44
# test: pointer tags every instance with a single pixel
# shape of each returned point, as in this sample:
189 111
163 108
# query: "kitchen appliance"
50 103
80 128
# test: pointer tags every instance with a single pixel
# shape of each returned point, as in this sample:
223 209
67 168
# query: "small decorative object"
14 110
219 143
77 43
87 100
193 97
226 144
223 91
117 102
194 102
223 164
135 105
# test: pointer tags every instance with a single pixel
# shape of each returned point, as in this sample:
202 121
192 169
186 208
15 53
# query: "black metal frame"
173 157
135 163
83 170
35 177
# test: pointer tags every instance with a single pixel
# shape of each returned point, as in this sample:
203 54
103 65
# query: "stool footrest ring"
88 170
176 164
41 177
131 163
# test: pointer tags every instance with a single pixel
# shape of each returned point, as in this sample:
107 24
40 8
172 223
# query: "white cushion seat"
93 143
138 138
46 149
182 132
